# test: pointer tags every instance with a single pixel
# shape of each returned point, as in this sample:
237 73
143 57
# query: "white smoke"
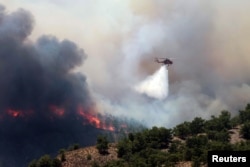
122 37
156 85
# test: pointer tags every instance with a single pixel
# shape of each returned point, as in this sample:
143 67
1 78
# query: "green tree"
62 155
89 157
173 158
188 154
224 118
115 163
219 146
156 158
196 162
219 123
95 164
73 147
197 141
44 161
131 137
222 136
196 147
165 137
102 145
197 125
245 114
235 121
182 130
56 163
176 147
139 142
33 163
242 146
124 148
245 130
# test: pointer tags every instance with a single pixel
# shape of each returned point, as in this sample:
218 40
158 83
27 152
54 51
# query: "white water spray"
156 85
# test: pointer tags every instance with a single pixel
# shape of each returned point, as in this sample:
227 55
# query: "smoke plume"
44 105
209 38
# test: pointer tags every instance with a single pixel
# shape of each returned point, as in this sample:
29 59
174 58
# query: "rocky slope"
86 157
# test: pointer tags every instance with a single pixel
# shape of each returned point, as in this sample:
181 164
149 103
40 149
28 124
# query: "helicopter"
164 61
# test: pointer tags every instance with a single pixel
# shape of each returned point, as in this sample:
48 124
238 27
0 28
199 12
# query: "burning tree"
40 94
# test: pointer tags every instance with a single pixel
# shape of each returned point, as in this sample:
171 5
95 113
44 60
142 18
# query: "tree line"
188 141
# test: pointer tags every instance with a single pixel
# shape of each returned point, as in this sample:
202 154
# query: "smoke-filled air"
67 66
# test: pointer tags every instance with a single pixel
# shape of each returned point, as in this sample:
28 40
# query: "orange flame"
59 111
91 119
94 120
110 128
15 113
91 116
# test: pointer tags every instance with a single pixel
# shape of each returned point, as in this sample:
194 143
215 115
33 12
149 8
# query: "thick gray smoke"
39 93
211 73
209 38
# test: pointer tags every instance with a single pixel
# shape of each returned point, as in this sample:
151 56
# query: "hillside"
78 158
185 145
235 136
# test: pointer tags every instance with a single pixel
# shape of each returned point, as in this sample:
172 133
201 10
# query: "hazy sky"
96 52
208 38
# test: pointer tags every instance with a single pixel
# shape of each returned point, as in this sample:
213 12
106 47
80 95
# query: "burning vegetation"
44 106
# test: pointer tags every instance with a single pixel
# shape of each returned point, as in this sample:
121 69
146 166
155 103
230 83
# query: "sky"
69 68
207 39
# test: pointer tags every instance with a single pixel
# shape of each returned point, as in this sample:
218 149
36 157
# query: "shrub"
102 144
89 157
245 130
44 161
